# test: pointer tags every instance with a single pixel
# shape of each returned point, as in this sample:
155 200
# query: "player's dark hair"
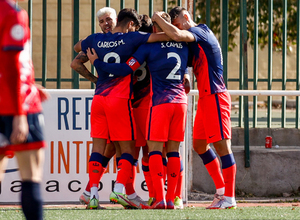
175 12
146 23
128 14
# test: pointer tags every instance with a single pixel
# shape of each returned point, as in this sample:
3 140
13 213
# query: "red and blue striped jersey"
207 61
114 48
141 87
167 62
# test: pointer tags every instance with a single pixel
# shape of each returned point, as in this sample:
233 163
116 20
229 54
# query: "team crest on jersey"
17 32
132 62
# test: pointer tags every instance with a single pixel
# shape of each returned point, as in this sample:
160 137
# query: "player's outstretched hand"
92 55
19 129
186 83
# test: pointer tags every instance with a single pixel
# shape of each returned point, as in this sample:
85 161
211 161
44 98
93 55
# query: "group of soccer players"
150 105
147 108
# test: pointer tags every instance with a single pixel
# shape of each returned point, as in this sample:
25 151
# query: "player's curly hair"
129 14
146 23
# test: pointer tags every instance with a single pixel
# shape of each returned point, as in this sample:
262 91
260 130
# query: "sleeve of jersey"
11 62
15 33
141 38
199 34
119 69
86 43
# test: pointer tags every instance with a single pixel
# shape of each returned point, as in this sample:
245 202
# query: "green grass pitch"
258 212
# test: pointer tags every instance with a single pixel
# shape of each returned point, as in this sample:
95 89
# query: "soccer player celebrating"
21 120
107 18
212 122
167 62
111 111
140 105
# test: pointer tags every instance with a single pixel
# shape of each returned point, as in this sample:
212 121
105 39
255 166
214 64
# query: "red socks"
125 168
95 173
212 165
229 173
148 179
214 171
229 179
88 186
156 170
178 191
130 185
95 169
173 169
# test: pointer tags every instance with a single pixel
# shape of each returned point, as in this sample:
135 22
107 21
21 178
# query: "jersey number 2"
172 74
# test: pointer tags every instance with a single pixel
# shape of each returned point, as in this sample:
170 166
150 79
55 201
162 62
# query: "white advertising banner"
67 132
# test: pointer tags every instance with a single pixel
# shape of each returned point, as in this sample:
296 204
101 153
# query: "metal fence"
244 80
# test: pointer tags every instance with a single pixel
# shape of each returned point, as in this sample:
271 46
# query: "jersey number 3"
114 55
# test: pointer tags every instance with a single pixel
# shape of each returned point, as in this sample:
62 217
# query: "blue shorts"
35 139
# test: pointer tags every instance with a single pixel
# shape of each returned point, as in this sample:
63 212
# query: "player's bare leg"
165 162
145 153
118 153
31 166
173 169
3 163
99 145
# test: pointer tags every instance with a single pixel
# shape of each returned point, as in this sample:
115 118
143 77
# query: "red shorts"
140 117
212 121
166 122
112 118
35 139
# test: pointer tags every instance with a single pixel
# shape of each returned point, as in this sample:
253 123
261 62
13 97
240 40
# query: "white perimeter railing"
189 126
186 149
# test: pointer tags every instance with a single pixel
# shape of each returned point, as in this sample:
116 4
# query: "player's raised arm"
158 37
172 31
78 65
77 46
119 69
